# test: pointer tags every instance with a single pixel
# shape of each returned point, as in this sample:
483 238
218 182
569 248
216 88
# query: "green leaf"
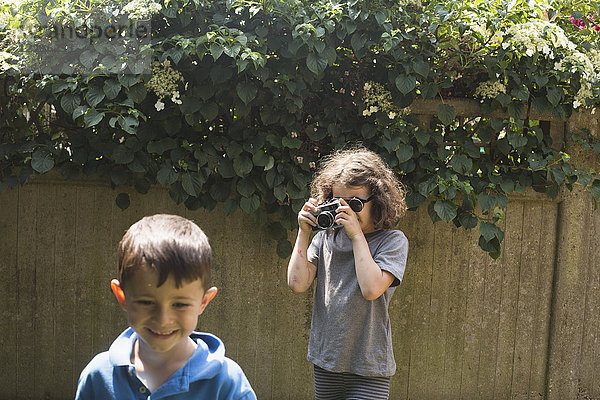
446 210
122 155
406 83
92 117
166 175
554 95
488 230
467 220
242 166
220 191
216 50
137 93
177 193
250 205
421 68
230 206
42 161
246 187
261 158
315 63
595 189
210 111
429 90
446 113
492 246
486 201
192 184
225 168
404 152
461 163
69 102
280 193
79 111
246 91
290 142
111 88
123 201
88 57
94 96
358 41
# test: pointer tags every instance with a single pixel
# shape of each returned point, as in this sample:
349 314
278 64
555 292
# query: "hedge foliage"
235 102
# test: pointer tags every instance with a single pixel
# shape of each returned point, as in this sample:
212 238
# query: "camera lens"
325 220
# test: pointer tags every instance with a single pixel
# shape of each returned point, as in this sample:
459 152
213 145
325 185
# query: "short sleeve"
391 255
314 250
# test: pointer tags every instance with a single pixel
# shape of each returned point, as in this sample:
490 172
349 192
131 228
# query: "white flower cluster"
377 98
141 9
490 89
588 65
404 3
477 24
537 37
5 61
164 82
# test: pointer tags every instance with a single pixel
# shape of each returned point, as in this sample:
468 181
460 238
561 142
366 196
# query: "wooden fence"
525 326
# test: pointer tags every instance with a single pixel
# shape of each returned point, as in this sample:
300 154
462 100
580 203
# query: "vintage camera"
326 215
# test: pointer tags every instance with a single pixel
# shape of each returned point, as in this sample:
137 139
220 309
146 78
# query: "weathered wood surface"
525 326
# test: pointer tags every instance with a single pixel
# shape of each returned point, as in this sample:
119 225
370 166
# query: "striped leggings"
345 386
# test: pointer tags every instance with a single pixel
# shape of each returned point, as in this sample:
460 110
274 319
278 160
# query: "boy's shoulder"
210 372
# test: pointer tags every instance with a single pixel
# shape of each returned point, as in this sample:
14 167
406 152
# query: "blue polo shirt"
208 374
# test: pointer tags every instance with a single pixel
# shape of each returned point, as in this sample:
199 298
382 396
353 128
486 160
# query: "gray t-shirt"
349 333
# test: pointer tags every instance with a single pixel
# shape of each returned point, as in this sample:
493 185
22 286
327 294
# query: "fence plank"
401 311
62 221
439 304
589 382
528 288
488 350
9 270
472 327
43 251
508 301
420 380
545 263
455 334
26 295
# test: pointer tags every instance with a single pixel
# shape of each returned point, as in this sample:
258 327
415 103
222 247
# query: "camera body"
325 215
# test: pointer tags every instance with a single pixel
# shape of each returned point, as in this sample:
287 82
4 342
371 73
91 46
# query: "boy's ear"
208 296
115 285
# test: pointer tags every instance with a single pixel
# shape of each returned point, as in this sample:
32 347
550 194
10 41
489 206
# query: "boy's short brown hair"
169 244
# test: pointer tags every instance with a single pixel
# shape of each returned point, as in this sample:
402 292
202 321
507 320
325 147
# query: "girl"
357 267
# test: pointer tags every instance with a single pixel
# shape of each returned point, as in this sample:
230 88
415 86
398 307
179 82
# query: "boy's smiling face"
163 316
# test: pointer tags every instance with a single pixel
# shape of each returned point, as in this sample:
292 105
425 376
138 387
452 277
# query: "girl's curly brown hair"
359 166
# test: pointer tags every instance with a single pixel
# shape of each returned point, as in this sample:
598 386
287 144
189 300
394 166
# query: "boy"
163 274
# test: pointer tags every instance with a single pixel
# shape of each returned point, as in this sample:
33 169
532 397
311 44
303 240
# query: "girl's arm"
301 273
373 281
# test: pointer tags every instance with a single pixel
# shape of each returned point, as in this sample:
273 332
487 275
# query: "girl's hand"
348 218
305 219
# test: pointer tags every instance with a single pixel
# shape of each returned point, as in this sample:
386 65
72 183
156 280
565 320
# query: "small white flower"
159 105
392 115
